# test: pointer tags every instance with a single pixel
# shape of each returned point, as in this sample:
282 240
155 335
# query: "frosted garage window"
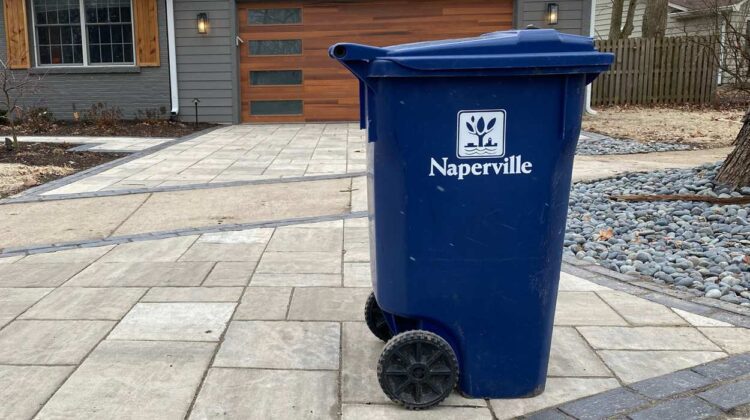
276 77
274 16
285 107
276 47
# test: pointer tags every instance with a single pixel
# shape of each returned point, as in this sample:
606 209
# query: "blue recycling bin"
471 146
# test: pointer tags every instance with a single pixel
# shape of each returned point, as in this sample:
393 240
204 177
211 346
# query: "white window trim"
84 42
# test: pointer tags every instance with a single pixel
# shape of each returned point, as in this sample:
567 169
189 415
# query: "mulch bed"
123 128
43 162
55 154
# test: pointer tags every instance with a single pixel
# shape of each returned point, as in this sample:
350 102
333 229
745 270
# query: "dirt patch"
36 163
122 128
701 128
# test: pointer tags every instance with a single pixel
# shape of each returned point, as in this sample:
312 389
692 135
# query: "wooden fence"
670 70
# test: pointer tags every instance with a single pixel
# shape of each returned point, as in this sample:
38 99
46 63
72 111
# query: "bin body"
467 232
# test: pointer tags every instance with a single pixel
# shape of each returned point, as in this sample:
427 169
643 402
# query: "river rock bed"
595 144
694 246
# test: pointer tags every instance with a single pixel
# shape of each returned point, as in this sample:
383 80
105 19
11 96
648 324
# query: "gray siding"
573 15
205 63
77 89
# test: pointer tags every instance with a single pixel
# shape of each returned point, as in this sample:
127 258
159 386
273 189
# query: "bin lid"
529 49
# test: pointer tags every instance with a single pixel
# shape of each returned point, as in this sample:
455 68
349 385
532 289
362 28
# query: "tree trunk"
615 22
735 172
654 19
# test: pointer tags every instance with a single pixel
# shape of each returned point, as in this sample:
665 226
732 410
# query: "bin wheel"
417 369
376 320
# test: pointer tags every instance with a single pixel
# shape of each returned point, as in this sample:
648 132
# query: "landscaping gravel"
694 246
594 144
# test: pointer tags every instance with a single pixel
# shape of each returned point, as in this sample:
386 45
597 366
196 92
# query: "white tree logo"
481 134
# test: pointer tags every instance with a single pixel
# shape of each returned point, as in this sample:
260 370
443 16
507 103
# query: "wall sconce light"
553 10
202 23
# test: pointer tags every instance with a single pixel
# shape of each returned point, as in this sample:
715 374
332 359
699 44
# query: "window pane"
288 107
110 30
276 47
58 31
276 77
274 16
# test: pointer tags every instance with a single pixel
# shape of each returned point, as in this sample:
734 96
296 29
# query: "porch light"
552 13
202 23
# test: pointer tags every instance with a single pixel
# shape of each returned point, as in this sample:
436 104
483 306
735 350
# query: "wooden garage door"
285 71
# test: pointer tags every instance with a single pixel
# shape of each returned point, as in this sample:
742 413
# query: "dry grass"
15 177
704 128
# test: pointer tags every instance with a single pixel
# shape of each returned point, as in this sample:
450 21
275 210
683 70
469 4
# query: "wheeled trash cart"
470 156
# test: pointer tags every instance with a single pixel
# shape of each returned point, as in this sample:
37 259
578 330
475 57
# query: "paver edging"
642 399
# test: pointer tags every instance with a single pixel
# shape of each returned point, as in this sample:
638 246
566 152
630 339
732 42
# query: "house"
241 61
684 17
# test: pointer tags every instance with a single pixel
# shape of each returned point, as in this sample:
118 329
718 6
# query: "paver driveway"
267 323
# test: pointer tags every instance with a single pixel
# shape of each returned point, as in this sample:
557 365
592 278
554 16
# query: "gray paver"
690 408
164 250
206 251
733 340
295 280
186 321
193 294
731 367
729 396
393 412
85 303
13 301
584 308
37 275
132 380
264 303
81 255
549 415
280 345
646 338
328 304
604 405
230 274
557 391
50 342
144 274
631 366
357 274
671 384
23 389
300 262
571 356
274 394
306 239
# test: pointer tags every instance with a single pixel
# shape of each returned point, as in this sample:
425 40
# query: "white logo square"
481 134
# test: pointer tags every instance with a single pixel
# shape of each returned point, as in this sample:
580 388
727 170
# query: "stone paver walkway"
239 153
268 323
271 151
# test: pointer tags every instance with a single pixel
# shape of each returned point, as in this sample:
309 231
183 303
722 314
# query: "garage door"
286 74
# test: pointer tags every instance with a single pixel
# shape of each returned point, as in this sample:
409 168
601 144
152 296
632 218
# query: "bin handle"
356 57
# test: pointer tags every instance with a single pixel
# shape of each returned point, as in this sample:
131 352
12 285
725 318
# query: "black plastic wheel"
417 369
376 320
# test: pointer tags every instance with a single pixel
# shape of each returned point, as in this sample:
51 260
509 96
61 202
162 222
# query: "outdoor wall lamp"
553 10
202 23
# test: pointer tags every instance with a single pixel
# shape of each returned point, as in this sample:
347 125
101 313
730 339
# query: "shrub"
151 115
103 116
36 119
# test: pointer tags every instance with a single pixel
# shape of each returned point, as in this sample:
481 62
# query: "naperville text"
511 165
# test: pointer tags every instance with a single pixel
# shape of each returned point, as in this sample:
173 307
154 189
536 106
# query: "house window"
83 32
284 107
276 47
275 77
274 16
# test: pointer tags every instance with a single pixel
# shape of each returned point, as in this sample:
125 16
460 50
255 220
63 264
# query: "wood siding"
672 70
146 33
329 92
16 34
